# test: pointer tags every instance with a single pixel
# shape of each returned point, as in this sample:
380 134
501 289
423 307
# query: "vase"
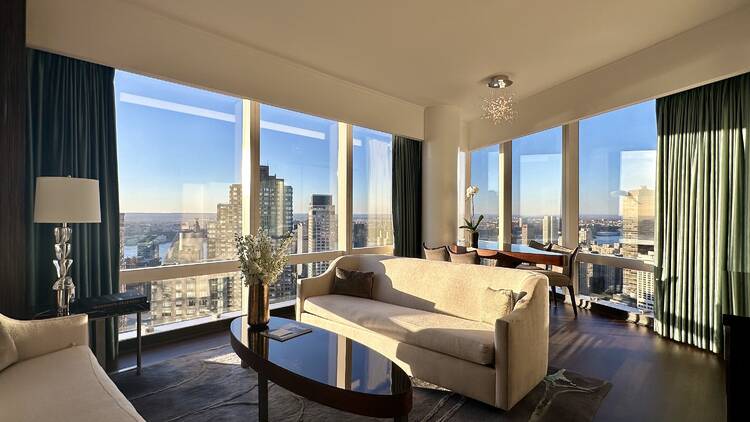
474 239
258 311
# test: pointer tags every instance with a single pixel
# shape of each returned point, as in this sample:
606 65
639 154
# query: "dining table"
512 254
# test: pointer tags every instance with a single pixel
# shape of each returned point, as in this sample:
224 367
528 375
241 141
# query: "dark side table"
99 308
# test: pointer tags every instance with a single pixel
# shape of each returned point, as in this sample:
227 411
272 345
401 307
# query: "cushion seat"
473 341
67 385
555 278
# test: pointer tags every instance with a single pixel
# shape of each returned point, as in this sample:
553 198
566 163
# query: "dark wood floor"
653 379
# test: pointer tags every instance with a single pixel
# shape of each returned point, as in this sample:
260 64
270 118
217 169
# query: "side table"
99 308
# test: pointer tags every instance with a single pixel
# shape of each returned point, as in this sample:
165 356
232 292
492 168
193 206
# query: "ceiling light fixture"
495 107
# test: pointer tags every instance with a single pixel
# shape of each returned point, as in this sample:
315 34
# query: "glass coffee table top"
326 367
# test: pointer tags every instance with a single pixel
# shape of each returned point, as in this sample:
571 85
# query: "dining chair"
439 253
536 245
563 278
471 257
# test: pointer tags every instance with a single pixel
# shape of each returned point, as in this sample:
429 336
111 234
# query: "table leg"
404 418
138 352
100 346
262 398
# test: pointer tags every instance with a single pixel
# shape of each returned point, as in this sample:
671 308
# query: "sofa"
427 317
52 374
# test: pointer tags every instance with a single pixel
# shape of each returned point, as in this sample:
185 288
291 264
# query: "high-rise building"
359 234
585 236
550 228
228 222
637 233
122 240
525 234
190 246
321 229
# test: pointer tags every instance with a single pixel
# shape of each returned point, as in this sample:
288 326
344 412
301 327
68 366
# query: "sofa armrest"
40 337
522 348
314 286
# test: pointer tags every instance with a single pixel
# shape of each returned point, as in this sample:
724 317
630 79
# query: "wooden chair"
564 278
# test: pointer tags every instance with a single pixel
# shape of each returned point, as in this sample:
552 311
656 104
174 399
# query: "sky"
179 149
617 151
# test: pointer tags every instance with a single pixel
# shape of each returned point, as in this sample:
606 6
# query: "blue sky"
179 150
616 152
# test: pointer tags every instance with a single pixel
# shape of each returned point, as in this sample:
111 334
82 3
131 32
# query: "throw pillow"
8 351
497 304
353 283
435 254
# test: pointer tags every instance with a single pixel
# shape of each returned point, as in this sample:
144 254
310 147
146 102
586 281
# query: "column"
440 178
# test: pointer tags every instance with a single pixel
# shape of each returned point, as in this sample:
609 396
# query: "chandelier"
498 107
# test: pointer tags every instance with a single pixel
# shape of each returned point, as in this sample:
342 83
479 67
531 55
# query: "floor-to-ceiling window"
372 221
537 187
484 175
298 187
617 170
179 166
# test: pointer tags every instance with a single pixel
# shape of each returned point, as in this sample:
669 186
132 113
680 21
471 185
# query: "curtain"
71 131
407 197
702 236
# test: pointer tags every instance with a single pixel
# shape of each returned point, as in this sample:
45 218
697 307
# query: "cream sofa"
426 316
56 377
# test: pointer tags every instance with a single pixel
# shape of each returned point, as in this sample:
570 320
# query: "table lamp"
65 200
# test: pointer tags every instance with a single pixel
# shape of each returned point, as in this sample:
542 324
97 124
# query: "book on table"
286 332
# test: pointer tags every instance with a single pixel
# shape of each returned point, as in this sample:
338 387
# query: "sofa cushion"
496 304
67 385
465 339
353 283
8 351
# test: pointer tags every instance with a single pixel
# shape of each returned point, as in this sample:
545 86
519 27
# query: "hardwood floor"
653 379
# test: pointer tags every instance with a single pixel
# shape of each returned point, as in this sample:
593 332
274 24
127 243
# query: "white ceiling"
431 52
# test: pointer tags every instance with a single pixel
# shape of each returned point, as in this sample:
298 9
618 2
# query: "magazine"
286 332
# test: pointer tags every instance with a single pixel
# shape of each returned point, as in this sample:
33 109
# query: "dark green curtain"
71 131
407 197
702 235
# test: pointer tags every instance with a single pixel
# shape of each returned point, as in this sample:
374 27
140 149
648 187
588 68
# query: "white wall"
129 37
710 52
440 174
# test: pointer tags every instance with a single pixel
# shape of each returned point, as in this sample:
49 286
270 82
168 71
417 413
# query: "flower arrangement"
470 225
261 259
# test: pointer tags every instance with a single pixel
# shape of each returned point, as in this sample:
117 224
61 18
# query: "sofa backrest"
444 287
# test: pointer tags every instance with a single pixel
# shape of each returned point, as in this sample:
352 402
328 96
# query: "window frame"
250 180
569 208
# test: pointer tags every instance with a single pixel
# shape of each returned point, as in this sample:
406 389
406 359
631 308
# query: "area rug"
212 386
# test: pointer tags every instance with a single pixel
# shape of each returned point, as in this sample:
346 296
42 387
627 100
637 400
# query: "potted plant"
470 225
262 260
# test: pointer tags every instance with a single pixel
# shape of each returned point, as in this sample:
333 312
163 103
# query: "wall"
715 50
129 37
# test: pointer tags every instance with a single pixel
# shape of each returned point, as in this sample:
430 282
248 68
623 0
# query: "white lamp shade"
66 200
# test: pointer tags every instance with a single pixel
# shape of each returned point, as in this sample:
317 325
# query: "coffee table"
324 367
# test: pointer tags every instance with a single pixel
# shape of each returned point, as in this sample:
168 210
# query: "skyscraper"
228 222
276 200
321 229
550 228
637 237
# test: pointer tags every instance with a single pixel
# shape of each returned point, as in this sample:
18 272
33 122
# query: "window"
617 172
484 174
180 195
298 178
372 221
537 187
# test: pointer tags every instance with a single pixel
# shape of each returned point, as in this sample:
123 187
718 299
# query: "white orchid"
471 191
471 225
262 260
